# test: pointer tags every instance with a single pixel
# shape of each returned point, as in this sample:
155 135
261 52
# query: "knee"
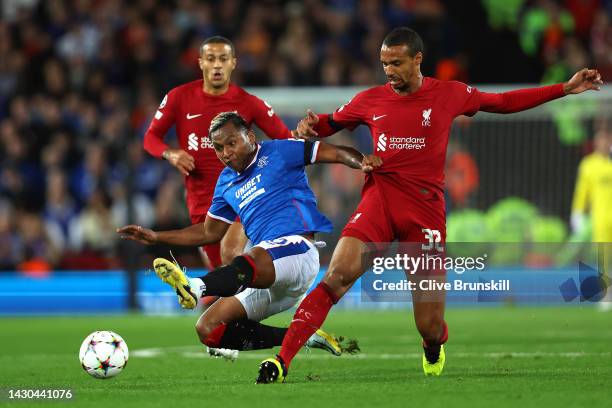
203 329
431 328
337 281
209 332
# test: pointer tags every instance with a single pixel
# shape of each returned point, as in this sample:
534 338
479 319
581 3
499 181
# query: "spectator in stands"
92 173
601 42
93 230
10 241
60 209
462 176
544 26
40 253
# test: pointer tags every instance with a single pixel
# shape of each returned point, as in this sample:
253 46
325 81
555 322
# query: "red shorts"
416 219
213 251
386 213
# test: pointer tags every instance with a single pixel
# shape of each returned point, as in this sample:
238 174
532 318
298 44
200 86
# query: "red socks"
308 318
214 338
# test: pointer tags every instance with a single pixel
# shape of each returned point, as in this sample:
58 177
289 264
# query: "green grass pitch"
501 356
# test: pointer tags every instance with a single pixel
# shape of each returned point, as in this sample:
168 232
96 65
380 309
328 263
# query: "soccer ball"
103 354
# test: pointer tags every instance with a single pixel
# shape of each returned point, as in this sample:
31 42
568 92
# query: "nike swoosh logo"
193 116
378 117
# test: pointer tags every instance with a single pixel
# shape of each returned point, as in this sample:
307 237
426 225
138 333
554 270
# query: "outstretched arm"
523 99
208 232
328 153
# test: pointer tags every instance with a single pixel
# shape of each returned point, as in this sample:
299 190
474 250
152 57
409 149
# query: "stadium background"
80 81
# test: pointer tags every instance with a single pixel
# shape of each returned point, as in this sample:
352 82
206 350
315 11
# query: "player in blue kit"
266 186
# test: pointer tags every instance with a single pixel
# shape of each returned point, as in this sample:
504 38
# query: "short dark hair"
405 36
224 118
218 39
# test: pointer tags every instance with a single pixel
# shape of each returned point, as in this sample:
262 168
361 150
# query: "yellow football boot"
434 368
172 274
271 370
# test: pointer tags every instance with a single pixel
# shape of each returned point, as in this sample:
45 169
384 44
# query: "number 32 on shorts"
434 239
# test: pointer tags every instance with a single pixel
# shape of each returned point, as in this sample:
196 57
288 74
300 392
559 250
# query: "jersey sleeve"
351 114
220 208
163 120
519 99
267 120
463 99
298 153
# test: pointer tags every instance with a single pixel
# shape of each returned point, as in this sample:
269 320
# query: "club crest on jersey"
263 161
426 117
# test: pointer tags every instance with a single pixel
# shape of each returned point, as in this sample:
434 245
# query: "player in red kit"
409 119
191 107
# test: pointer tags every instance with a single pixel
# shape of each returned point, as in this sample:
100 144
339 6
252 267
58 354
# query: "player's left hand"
583 80
370 162
305 128
138 234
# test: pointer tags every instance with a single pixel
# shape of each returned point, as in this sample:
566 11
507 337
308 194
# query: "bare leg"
428 308
224 310
348 263
226 325
233 243
266 275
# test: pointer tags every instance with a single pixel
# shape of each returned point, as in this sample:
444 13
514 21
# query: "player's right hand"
583 80
370 162
180 159
305 128
138 234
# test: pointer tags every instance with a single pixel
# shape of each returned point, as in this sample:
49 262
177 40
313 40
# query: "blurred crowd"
80 80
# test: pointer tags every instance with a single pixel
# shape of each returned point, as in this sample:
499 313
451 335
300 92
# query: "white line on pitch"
185 352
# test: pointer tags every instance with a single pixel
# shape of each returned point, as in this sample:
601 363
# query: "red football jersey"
410 133
191 110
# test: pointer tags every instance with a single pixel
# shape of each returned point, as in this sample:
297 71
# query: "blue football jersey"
271 196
